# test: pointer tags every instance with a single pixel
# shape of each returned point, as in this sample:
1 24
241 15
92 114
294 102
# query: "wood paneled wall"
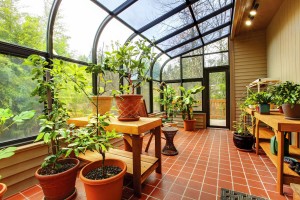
283 43
248 63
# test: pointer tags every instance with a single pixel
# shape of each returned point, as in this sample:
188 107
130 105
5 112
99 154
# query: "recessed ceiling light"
248 22
253 12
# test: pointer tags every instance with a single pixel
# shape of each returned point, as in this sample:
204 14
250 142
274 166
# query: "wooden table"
280 125
139 166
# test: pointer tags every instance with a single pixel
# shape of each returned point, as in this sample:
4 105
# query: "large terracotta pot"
291 111
243 142
3 189
104 104
62 185
129 106
105 189
189 125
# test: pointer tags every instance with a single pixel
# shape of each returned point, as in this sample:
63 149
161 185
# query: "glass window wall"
171 70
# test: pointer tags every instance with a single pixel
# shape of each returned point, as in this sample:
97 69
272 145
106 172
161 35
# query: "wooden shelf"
264 132
148 163
294 153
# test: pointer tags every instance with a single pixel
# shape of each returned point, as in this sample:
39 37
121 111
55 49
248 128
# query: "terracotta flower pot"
129 106
291 111
189 125
62 185
110 188
3 189
104 104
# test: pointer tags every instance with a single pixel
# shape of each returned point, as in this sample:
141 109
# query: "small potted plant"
167 102
185 102
288 93
263 99
242 138
57 174
134 60
8 119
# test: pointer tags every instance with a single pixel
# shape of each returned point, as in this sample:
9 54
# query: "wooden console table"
280 125
139 166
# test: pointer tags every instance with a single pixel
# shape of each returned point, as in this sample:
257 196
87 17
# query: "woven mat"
232 195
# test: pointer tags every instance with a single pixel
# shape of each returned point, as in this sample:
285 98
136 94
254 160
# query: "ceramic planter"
3 189
291 111
128 107
110 188
243 142
189 125
104 104
264 108
62 185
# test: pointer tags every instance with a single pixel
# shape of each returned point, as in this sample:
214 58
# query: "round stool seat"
169 149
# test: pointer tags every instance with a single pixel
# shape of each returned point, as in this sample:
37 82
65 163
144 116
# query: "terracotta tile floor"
207 162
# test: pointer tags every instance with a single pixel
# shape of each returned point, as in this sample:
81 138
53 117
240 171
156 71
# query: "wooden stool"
169 149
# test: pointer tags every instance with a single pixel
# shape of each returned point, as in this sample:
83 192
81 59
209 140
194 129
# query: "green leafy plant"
240 127
186 101
7 119
167 101
134 60
261 97
287 92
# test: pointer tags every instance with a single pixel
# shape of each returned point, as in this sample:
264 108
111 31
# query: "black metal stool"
169 149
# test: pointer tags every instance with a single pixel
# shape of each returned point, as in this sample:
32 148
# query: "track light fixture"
252 13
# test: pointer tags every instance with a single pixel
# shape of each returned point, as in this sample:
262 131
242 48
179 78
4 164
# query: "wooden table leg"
280 154
136 162
297 139
157 133
257 135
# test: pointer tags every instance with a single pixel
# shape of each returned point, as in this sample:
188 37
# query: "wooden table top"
131 127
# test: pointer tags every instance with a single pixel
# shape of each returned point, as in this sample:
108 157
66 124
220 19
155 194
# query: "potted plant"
242 138
185 102
288 93
168 94
7 119
263 99
57 174
134 59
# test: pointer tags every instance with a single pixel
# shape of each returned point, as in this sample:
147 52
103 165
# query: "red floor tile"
17 197
191 193
31 191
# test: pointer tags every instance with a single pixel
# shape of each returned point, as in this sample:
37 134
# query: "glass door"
217 99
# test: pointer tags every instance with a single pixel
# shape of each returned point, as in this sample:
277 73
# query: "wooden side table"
169 149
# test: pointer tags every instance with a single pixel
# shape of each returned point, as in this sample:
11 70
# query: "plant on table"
134 60
185 102
263 99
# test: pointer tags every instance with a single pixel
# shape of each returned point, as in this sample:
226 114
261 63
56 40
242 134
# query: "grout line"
229 152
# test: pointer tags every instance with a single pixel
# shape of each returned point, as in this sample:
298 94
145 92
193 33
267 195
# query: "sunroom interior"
217 44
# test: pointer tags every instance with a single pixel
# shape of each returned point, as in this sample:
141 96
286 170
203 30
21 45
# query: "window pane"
74 34
215 21
156 95
176 87
195 52
16 86
148 10
189 85
111 34
179 38
218 59
171 70
157 66
205 7
192 67
185 48
220 45
169 25
145 92
24 22
217 34
111 4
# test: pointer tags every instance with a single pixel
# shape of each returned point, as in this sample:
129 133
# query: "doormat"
233 195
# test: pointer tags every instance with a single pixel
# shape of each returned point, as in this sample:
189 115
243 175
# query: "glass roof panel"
169 25
111 4
217 34
186 47
215 21
24 22
143 12
220 45
74 30
157 66
111 34
195 52
179 38
205 7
